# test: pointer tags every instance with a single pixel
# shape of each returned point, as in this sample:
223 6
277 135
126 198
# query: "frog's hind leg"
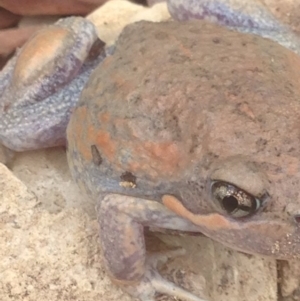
42 83
122 219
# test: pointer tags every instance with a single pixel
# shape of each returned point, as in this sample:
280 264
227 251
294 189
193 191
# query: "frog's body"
164 125
187 126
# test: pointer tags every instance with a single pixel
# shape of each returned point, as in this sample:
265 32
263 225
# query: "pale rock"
113 16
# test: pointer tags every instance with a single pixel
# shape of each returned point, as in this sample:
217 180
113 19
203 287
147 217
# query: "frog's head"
249 156
256 207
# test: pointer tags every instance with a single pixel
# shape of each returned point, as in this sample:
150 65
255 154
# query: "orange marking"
154 158
212 221
38 53
103 117
106 144
167 151
165 156
245 108
122 83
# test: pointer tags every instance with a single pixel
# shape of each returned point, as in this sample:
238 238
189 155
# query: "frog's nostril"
297 218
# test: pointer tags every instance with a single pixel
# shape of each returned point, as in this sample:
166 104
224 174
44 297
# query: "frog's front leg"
122 219
42 83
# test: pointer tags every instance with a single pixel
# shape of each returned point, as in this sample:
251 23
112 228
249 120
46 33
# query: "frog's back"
153 113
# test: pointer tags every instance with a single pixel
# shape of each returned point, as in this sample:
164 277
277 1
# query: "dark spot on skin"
194 185
97 159
277 152
128 177
134 99
297 218
261 144
257 70
239 134
161 36
216 40
289 87
176 57
146 81
142 50
208 159
224 59
194 143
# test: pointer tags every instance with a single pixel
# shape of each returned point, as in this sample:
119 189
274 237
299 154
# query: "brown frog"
187 126
190 127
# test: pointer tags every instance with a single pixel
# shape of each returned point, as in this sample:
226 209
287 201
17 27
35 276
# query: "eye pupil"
230 203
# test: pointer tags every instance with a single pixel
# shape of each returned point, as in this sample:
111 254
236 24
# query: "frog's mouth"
274 238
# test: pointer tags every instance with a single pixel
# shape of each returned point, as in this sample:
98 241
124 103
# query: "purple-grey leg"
43 82
242 15
122 220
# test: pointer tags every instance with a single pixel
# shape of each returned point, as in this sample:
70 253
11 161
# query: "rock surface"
109 25
45 255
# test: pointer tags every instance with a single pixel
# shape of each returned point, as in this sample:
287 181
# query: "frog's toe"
153 283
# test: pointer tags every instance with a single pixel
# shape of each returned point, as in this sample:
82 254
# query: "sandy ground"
49 236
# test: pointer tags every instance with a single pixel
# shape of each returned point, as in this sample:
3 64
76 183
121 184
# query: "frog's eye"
233 200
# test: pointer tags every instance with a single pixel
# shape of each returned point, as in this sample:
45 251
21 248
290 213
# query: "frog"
197 135
200 138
